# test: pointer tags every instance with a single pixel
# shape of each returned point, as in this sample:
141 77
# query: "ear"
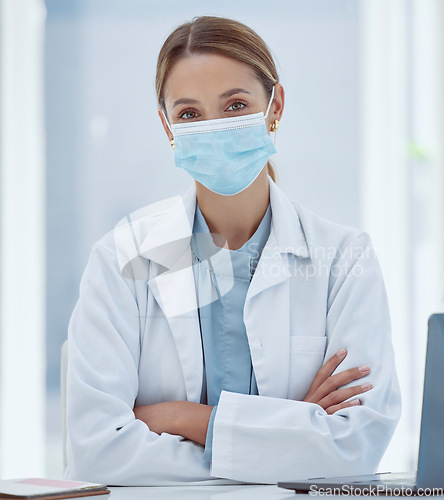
277 106
164 123
279 101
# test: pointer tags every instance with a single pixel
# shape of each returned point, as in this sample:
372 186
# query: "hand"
325 391
181 418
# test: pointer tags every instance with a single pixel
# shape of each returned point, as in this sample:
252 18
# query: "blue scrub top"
222 278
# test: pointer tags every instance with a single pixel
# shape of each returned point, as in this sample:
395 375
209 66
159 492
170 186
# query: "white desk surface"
222 492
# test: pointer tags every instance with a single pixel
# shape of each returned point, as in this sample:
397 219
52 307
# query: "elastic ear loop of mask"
268 109
270 102
168 123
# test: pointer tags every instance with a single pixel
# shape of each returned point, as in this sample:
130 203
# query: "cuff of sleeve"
209 439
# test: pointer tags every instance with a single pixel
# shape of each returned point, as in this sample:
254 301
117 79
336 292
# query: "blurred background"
361 143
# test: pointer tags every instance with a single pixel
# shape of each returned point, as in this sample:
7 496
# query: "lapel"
168 245
268 305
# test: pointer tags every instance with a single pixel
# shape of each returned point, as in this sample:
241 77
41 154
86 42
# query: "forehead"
209 74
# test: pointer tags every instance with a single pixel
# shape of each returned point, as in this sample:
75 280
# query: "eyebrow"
231 92
228 93
184 100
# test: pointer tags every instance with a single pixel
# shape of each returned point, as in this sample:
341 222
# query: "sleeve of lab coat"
209 439
106 444
264 439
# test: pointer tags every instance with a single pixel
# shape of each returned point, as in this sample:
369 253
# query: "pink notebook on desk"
51 489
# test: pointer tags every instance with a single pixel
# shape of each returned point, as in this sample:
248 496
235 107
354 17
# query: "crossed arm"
190 420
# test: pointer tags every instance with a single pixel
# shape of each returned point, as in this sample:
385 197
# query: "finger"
339 380
326 370
342 395
348 404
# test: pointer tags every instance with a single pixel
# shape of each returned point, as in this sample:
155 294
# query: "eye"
236 106
188 114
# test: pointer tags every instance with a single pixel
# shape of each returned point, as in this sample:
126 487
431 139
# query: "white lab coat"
134 339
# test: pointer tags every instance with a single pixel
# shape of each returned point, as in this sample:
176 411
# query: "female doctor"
228 334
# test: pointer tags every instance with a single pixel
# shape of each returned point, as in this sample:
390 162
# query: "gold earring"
274 126
172 143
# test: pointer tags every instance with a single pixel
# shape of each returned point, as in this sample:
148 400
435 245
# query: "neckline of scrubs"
224 262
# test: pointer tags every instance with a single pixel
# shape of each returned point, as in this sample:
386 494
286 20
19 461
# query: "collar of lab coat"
169 239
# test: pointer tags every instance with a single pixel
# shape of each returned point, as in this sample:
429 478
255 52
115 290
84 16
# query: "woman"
227 334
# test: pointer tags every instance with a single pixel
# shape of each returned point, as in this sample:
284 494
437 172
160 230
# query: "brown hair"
217 35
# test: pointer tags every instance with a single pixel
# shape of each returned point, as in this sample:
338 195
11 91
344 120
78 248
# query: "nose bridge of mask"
270 102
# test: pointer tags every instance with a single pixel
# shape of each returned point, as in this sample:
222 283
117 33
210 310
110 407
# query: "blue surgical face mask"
225 155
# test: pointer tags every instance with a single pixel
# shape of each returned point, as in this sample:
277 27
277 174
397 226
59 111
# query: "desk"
225 492
222 492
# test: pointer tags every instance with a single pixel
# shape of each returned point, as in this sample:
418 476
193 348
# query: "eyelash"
244 104
186 111
180 116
